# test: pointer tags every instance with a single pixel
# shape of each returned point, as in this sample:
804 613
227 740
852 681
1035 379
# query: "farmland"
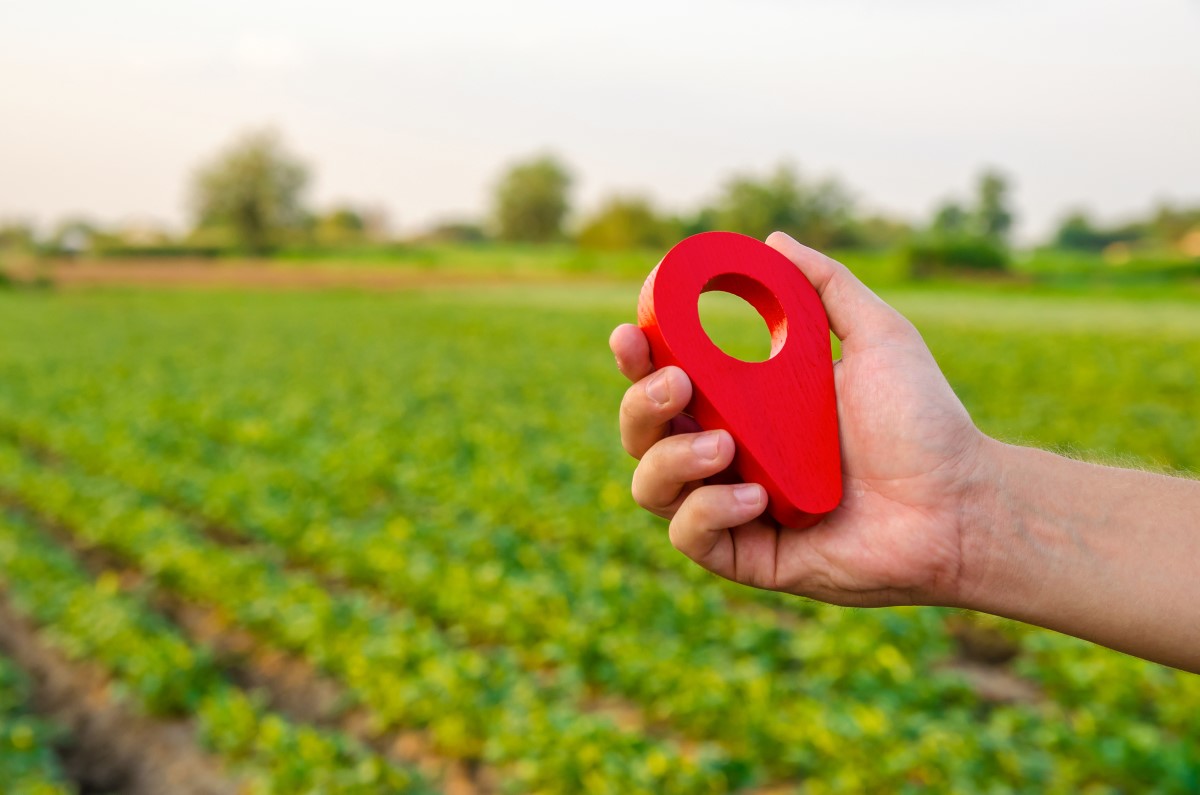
383 542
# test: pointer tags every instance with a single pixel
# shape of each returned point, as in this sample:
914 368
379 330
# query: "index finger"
632 351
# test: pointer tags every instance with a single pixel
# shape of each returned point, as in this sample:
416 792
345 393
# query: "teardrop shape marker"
782 412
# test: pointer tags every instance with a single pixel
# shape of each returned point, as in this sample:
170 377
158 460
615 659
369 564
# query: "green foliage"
930 255
455 231
1173 225
341 226
629 222
457 476
251 193
531 201
972 238
161 672
993 214
28 765
951 220
1078 231
16 236
118 249
818 214
1168 232
879 232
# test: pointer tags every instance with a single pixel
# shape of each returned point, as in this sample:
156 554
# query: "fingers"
701 530
649 406
632 351
850 304
660 480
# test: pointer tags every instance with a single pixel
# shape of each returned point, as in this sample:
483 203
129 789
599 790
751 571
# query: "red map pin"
782 412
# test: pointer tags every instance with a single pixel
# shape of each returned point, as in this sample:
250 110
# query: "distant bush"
455 232
967 237
818 213
930 255
156 251
631 222
1078 232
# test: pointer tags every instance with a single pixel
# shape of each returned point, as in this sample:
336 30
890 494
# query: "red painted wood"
782 412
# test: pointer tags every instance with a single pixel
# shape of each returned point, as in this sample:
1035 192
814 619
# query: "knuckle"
701 507
636 409
675 532
637 489
648 483
635 449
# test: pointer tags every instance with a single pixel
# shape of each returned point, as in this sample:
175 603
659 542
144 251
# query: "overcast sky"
106 107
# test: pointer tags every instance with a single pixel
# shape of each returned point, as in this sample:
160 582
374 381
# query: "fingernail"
705 445
657 388
748 494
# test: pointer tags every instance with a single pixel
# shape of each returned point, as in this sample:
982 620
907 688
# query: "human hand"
910 459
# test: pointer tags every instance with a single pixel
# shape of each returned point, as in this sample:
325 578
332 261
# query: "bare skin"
934 512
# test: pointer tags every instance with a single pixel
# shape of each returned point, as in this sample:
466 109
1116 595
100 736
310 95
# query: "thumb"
854 311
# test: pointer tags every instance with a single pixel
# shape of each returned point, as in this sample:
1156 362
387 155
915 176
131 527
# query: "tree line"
251 198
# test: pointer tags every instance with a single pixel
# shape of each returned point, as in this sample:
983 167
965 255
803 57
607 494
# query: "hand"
910 458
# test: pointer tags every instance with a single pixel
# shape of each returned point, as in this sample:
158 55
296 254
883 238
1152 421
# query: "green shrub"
930 256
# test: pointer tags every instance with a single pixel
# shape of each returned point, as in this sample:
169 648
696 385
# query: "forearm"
1110 555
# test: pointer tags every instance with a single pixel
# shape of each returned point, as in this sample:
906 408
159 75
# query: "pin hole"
742 317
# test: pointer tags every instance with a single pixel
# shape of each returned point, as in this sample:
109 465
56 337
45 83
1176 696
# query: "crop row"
648 638
466 467
394 565
163 674
476 702
28 765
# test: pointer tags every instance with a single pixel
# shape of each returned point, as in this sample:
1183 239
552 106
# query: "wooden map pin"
782 412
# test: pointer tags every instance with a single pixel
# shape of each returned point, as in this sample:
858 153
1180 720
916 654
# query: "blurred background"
309 479
132 127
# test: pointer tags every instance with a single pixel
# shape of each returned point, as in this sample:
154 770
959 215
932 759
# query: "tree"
340 226
950 218
820 214
993 215
966 237
253 189
16 235
531 200
1170 224
626 222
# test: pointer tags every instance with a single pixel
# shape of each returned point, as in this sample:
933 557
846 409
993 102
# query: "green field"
420 498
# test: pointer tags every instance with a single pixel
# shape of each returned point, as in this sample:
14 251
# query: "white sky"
106 107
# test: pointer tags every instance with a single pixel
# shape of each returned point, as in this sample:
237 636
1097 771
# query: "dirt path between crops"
190 274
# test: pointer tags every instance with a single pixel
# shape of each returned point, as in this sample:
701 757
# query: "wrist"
988 557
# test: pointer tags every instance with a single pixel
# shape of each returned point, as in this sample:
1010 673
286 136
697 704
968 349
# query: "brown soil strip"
109 748
995 684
